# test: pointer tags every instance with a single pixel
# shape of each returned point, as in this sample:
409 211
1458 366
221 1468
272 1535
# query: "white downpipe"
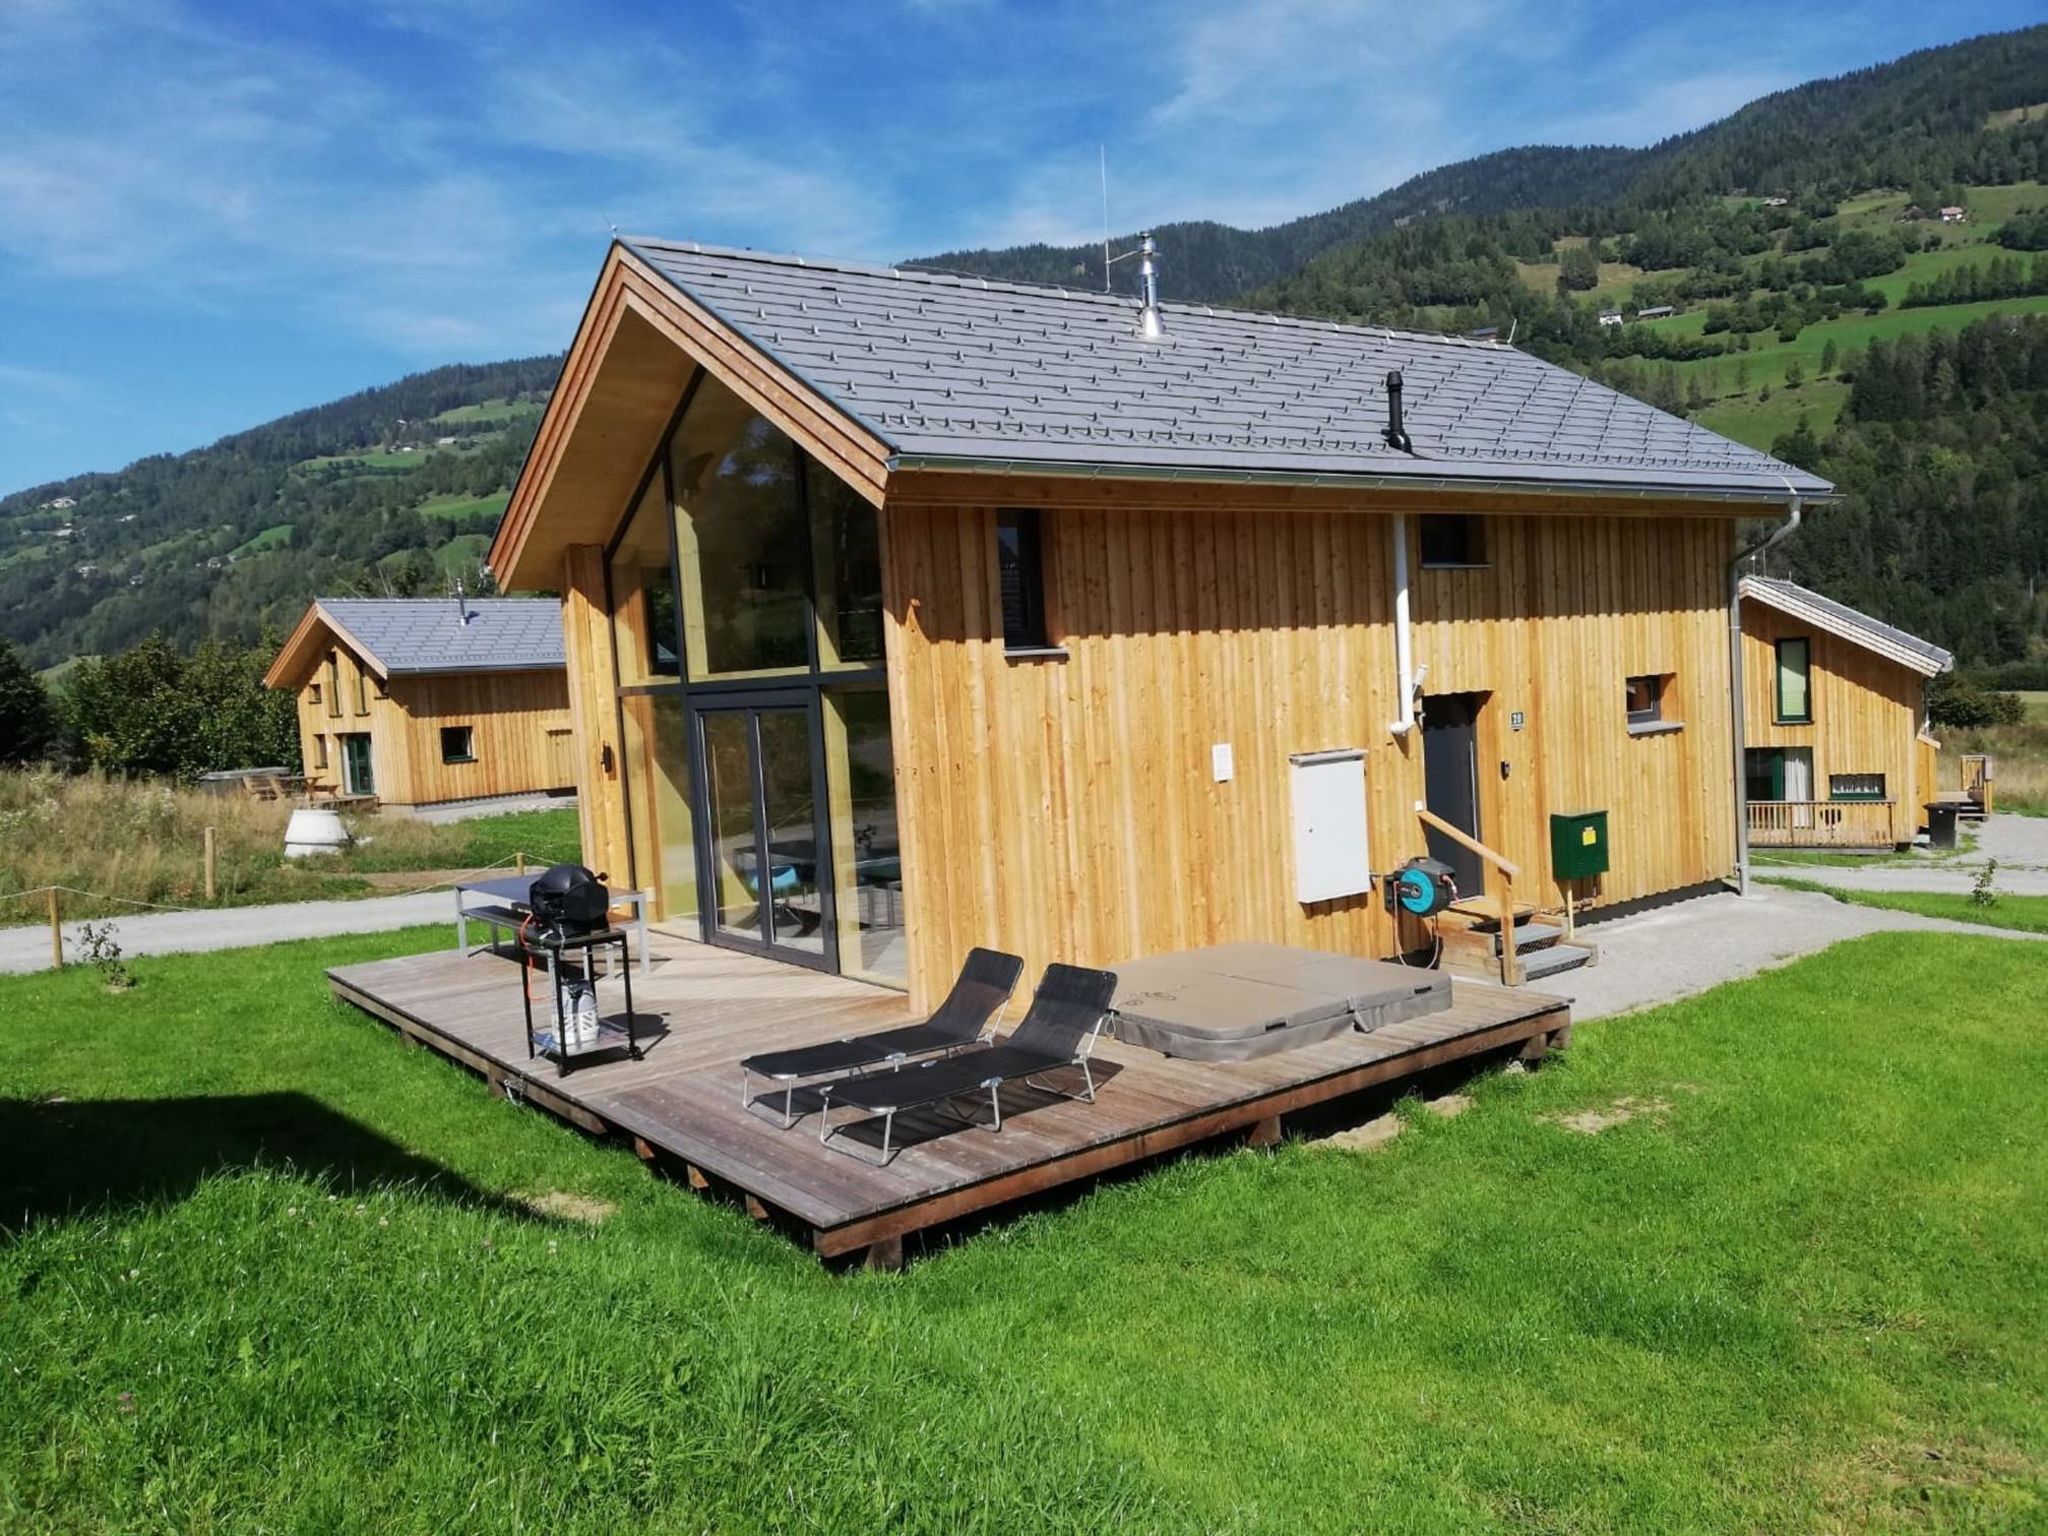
1738 704
1404 659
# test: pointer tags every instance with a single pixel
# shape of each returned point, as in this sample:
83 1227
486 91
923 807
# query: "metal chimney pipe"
1148 288
1395 433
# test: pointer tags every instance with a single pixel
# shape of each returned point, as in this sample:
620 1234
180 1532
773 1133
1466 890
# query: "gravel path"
169 933
2018 843
1690 946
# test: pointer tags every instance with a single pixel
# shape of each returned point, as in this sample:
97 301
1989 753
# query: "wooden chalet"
1838 752
907 611
417 701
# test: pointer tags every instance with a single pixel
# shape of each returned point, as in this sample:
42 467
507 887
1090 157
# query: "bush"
2027 676
1953 700
152 710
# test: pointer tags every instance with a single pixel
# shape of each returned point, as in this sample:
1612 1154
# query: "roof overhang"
300 654
641 341
927 479
1829 622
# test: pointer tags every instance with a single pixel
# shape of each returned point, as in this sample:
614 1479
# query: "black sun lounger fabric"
984 986
1234 1002
1065 1017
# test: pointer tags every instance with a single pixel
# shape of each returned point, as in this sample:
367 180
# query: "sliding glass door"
763 801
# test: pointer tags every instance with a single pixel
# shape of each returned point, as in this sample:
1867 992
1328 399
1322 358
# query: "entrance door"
765 861
356 775
1450 781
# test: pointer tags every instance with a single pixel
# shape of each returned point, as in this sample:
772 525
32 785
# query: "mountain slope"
393 489
1918 120
1207 262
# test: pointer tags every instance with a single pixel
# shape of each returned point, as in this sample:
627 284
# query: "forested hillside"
391 490
1918 120
1774 275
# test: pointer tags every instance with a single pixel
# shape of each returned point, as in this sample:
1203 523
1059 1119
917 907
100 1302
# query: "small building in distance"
1953 214
1656 312
1837 751
419 701
1610 317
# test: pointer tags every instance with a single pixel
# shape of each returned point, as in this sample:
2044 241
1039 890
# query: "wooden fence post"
211 865
519 863
56 934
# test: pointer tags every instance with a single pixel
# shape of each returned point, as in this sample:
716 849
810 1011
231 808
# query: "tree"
1829 356
1795 375
27 727
1578 268
151 710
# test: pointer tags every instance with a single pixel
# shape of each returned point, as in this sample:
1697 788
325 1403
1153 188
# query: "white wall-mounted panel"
1331 857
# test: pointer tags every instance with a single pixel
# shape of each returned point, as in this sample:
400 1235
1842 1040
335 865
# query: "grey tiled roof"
949 368
424 634
1847 621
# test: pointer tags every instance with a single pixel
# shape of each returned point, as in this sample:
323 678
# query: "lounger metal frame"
994 1085
895 1061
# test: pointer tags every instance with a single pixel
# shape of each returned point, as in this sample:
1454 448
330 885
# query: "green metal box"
1578 845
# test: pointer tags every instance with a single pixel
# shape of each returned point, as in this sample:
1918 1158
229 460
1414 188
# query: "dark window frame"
1866 797
1651 713
334 687
1778 715
468 740
1020 543
1451 541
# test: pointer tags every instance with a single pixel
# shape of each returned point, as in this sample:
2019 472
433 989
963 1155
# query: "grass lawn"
143 842
1760 423
452 508
279 1273
2026 914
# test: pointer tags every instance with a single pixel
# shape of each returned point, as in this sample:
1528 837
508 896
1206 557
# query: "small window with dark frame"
319 751
458 744
1794 690
1646 700
1020 572
362 692
334 687
1856 786
1451 541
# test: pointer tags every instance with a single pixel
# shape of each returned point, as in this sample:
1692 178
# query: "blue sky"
211 214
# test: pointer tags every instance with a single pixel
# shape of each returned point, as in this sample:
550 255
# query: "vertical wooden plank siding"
1866 712
593 707
519 723
1065 807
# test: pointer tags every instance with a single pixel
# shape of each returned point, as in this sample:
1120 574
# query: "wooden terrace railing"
1821 823
1978 772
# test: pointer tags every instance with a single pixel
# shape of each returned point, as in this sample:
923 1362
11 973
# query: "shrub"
1954 700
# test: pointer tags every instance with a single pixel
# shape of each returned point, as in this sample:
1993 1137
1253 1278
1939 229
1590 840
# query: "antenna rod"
1103 151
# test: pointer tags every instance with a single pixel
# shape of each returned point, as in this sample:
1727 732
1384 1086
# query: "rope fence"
52 896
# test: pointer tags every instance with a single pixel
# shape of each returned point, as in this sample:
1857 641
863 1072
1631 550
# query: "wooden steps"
1472 943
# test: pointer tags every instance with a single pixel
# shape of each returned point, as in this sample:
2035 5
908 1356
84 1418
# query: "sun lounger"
1058 1030
968 1016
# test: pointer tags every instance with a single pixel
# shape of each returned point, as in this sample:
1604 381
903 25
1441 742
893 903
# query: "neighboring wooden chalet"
416 701
907 612
1838 752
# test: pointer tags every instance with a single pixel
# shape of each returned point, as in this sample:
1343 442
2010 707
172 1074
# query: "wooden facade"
1066 808
521 733
1868 716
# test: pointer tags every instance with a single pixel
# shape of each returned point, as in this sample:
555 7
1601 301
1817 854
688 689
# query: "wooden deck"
681 1104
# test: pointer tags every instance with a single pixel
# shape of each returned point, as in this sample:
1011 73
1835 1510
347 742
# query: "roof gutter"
1491 484
1738 724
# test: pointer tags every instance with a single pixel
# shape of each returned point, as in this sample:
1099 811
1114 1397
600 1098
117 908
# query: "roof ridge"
951 277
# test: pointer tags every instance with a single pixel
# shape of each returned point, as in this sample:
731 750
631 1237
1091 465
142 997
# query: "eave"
640 342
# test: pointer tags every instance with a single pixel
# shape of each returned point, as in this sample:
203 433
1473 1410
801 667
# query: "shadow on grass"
65 1158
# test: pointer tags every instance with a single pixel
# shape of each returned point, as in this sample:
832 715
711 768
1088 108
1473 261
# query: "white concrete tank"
314 830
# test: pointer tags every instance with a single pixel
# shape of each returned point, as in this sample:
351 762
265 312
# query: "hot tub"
1233 1002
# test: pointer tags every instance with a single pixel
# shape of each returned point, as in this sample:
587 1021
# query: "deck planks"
715 1006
